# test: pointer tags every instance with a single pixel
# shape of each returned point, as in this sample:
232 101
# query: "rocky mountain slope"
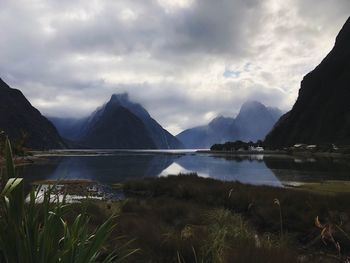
321 114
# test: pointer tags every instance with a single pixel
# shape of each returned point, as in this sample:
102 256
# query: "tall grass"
285 214
39 233
278 203
183 231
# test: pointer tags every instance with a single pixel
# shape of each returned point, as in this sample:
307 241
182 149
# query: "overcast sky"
186 61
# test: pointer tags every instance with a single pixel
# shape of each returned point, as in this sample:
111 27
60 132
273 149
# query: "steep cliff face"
321 113
19 117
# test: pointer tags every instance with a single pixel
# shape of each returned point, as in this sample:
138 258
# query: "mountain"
321 113
18 117
120 123
161 137
255 120
252 123
114 126
219 130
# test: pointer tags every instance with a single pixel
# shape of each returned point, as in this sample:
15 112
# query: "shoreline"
278 153
40 156
108 152
22 160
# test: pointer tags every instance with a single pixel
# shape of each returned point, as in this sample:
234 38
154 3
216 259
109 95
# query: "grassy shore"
326 187
279 153
186 218
190 219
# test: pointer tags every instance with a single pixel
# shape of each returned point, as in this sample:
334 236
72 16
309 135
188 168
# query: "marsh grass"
294 226
327 187
278 204
172 230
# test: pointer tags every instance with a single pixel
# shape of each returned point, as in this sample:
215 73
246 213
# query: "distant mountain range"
119 123
321 114
252 123
19 119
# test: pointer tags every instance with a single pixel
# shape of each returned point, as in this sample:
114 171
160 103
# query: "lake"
113 166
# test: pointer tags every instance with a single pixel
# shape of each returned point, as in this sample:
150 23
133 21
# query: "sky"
185 61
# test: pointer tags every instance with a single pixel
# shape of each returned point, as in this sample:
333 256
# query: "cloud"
184 60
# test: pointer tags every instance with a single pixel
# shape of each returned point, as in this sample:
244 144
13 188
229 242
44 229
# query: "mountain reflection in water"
246 169
252 169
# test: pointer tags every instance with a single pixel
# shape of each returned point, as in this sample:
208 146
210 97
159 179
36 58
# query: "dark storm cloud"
185 60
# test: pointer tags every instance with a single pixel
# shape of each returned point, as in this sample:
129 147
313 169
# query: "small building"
299 146
256 149
311 147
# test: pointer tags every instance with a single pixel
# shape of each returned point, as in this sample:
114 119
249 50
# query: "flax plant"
38 233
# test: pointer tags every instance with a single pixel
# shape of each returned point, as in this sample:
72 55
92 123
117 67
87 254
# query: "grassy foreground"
186 218
177 219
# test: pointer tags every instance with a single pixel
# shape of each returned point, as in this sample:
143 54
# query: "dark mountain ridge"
18 117
114 126
161 137
123 123
321 114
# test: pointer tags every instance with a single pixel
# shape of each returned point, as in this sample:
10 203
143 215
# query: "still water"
108 167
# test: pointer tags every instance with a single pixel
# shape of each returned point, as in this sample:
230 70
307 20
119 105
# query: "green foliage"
39 233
